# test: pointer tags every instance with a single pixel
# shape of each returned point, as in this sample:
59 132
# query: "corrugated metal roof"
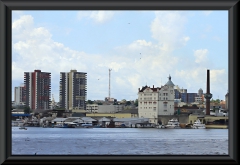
59 119
104 119
85 119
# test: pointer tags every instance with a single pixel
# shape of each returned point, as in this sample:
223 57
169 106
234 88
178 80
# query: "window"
165 106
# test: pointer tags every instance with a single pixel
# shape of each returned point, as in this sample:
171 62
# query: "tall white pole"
109 84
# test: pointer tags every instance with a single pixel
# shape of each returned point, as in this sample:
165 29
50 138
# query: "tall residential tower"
37 89
18 94
73 88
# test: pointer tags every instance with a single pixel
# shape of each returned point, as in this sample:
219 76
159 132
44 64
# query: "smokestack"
208 82
208 95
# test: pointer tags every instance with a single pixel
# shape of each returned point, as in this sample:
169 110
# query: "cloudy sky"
141 47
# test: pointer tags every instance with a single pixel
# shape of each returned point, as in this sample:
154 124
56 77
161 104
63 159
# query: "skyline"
141 47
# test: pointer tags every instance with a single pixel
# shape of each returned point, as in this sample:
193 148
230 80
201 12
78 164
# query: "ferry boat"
198 125
173 123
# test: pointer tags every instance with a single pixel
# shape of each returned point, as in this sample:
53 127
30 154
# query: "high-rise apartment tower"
73 88
37 89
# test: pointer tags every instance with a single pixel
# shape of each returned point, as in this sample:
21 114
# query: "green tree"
128 103
194 105
99 103
27 110
89 102
136 102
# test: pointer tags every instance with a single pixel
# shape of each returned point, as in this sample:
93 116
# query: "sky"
140 47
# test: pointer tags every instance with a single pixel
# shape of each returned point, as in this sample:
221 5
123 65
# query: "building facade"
19 94
73 90
37 89
148 103
153 102
166 98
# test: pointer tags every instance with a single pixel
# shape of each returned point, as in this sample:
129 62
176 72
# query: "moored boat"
198 125
173 123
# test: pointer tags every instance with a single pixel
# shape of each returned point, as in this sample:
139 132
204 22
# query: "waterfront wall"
183 118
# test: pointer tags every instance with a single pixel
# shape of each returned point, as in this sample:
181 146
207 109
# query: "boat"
22 127
86 125
173 123
66 125
198 125
188 126
160 126
17 123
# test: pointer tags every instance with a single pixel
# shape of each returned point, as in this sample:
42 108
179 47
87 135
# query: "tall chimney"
208 82
208 95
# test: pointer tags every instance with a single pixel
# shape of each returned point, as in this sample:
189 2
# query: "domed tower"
170 83
200 92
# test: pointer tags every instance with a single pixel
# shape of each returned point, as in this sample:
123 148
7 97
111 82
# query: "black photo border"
6 7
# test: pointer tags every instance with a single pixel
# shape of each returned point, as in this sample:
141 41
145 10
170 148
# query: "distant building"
200 92
226 101
18 94
110 108
148 103
73 89
153 102
199 99
191 97
166 99
37 89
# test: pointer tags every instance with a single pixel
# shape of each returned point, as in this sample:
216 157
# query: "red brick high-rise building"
37 89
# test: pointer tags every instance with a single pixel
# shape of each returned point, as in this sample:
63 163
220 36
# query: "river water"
119 141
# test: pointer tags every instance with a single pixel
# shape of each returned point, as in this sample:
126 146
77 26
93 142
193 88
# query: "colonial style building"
73 88
153 102
37 89
148 103
166 98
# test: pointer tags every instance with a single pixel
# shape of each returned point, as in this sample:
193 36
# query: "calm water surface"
119 141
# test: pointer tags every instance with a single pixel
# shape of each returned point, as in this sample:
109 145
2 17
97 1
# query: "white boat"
198 125
173 123
160 126
17 123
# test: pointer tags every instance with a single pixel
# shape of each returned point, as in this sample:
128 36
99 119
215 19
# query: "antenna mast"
109 85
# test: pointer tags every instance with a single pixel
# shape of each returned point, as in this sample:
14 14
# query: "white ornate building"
166 98
156 101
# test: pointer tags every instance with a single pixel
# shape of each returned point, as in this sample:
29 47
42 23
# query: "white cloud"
98 16
168 27
134 65
201 55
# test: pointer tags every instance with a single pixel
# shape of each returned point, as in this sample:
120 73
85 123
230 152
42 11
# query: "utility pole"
109 85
